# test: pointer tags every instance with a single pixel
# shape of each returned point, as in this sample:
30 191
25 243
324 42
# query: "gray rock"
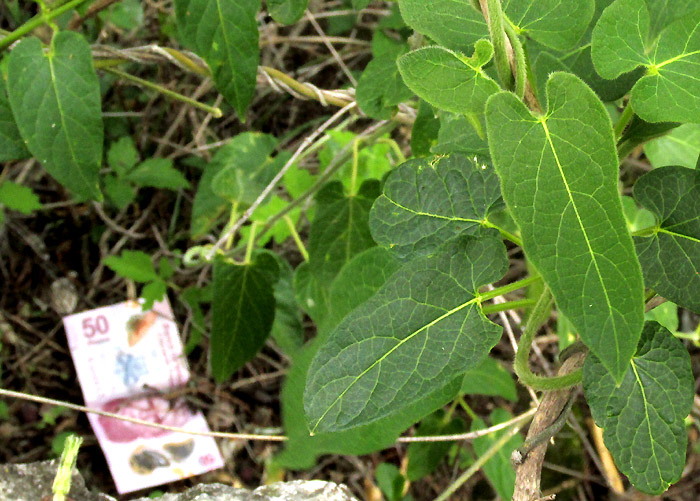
31 482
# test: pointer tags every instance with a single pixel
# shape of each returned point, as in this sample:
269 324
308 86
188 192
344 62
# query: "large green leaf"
457 24
559 178
681 146
642 418
55 99
670 256
287 11
448 80
225 34
499 469
670 90
422 329
357 281
428 201
12 146
242 311
381 88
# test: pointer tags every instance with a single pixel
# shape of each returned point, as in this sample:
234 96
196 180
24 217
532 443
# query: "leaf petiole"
509 305
499 291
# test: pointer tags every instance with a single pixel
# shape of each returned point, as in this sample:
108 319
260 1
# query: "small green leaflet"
428 201
670 90
670 256
499 469
642 419
12 146
243 311
134 265
287 11
681 147
559 179
17 197
225 34
448 80
157 173
456 24
422 329
55 99
380 88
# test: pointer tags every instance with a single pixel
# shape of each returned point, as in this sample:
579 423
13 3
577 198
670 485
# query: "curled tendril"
197 255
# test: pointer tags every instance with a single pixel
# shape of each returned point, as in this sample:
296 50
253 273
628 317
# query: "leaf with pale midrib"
559 179
670 256
243 310
225 34
622 40
357 281
415 335
448 80
642 418
428 201
457 24
55 99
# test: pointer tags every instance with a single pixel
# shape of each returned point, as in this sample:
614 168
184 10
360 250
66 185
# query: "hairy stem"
522 368
510 305
520 63
494 18
499 291
623 121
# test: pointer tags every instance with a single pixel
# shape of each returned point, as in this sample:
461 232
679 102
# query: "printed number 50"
92 326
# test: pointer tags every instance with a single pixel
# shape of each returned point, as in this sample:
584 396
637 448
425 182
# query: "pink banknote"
130 362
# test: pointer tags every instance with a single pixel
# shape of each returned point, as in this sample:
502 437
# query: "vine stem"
480 461
623 121
522 368
499 291
216 112
271 185
520 62
36 21
510 305
494 18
